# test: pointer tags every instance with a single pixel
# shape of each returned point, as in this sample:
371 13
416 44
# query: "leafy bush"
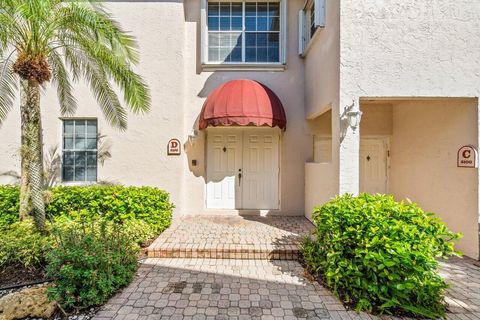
88 264
21 243
9 205
116 203
380 254
138 231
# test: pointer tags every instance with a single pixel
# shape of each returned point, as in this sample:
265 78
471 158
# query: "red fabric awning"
242 103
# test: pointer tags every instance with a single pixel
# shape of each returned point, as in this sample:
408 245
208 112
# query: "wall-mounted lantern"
354 117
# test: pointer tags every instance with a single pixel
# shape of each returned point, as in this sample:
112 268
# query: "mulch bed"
17 274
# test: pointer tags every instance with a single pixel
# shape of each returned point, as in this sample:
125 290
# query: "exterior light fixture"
354 118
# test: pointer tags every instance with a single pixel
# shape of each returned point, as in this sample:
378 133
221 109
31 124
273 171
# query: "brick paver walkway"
232 237
256 289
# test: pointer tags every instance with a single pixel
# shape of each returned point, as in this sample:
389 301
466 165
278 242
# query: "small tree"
62 41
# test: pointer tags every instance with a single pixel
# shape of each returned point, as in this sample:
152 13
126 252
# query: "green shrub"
21 243
380 254
138 231
116 203
9 205
89 263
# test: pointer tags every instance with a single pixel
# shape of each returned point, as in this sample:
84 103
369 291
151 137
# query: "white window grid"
74 150
243 30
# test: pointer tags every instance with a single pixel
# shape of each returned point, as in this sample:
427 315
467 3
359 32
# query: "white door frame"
276 131
386 143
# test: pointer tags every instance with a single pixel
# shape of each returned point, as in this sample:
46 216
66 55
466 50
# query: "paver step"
232 237
232 251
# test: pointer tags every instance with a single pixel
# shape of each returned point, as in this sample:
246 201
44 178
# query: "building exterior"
411 67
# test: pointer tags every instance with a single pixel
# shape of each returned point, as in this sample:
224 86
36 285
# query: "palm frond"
8 88
96 78
61 79
78 39
135 92
107 99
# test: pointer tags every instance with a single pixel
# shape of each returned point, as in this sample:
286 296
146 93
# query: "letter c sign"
467 157
173 147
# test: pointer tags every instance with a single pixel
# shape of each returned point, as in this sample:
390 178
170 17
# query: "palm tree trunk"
32 154
25 204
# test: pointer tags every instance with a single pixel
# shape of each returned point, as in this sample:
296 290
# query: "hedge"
9 205
116 203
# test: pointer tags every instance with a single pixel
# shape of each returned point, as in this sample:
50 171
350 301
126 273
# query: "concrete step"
232 251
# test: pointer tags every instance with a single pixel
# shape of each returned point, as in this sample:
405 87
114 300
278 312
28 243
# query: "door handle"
239 176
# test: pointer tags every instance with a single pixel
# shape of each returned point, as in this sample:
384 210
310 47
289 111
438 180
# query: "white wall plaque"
173 148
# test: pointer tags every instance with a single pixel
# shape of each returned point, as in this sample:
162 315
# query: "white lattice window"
244 32
80 140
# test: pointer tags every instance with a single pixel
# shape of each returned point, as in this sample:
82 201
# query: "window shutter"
319 13
301 32
204 31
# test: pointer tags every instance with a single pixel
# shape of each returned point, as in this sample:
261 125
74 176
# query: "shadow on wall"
195 151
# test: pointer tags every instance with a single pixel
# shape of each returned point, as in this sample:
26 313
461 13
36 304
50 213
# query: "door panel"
260 170
373 166
224 154
254 154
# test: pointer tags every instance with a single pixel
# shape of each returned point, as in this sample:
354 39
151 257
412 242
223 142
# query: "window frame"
74 149
273 66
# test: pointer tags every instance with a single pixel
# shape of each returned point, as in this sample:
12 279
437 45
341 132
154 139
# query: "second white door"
373 165
242 168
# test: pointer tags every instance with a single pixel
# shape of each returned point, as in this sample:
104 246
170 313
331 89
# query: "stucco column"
349 149
478 181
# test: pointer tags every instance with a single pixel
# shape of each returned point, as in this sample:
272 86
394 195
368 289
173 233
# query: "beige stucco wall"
322 64
377 119
403 50
423 163
168 33
322 85
321 125
393 48
138 154
411 49
318 186
288 85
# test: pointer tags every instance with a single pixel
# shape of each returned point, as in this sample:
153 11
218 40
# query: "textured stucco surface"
403 50
322 89
370 50
423 163
168 33
392 48
288 85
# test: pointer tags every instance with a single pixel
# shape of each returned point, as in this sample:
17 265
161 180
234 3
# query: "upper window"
311 18
243 32
80 139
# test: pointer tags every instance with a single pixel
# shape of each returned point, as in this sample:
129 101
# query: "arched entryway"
243 120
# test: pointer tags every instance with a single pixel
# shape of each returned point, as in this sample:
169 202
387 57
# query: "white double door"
242 168
374 165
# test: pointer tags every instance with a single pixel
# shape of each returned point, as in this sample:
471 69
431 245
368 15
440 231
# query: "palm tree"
62 41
